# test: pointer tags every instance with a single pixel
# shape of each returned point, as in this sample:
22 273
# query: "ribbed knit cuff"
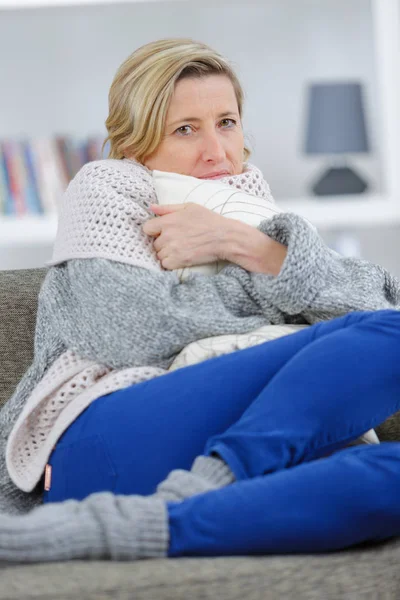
304 270
101 526
207 473
213 470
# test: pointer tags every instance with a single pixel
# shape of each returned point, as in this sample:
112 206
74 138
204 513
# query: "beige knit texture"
96 222
69 386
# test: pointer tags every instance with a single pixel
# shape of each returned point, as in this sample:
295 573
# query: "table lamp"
336 126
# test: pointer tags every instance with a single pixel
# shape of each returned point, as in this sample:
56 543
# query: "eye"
229 121
180 132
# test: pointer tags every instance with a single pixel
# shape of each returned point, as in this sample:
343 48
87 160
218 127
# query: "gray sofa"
366 572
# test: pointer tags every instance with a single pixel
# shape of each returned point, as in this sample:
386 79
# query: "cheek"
236 147
173 156
182 157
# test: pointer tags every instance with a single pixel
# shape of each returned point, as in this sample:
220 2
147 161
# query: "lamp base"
339 180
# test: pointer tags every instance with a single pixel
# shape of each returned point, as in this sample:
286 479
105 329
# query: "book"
6 204
15 174
64 153
35 173
50 175
32 190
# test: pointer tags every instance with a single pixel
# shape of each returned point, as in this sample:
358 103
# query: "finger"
157 245
168 264
167 208
162 254
152 227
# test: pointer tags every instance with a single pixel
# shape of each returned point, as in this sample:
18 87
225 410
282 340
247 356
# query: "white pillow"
172 188
210 347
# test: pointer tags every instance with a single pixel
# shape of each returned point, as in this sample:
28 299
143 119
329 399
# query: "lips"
215 175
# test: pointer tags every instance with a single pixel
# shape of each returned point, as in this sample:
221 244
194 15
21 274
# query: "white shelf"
27 231
337 212
345 211
21 4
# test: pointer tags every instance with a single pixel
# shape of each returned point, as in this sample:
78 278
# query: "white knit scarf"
99 216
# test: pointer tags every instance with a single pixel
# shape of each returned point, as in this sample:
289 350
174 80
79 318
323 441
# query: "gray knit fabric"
207 473
102 526
108 312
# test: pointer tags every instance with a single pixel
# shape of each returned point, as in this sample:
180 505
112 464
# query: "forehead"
201 93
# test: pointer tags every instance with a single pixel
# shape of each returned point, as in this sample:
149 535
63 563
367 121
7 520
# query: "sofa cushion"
367 572
18 305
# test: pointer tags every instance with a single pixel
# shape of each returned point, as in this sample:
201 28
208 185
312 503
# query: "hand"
186 234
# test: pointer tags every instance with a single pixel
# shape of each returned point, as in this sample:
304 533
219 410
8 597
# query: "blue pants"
269 411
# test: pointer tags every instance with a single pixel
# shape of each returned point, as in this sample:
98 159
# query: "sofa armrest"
19 291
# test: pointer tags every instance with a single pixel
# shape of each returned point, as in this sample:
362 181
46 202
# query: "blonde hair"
142 88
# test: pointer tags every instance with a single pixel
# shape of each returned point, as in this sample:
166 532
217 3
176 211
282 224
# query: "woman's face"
203 134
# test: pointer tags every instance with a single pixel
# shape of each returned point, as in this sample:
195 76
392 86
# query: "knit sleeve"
318 283
125 316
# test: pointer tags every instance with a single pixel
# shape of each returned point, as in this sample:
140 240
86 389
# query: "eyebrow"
221 116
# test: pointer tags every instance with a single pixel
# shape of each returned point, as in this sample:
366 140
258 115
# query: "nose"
213 149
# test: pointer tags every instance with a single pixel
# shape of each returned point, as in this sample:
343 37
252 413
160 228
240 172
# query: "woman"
239 435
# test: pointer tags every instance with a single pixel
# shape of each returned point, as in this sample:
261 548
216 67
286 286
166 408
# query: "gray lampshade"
336 123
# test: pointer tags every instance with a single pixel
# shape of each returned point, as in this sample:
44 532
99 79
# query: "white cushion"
221 198
211 347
